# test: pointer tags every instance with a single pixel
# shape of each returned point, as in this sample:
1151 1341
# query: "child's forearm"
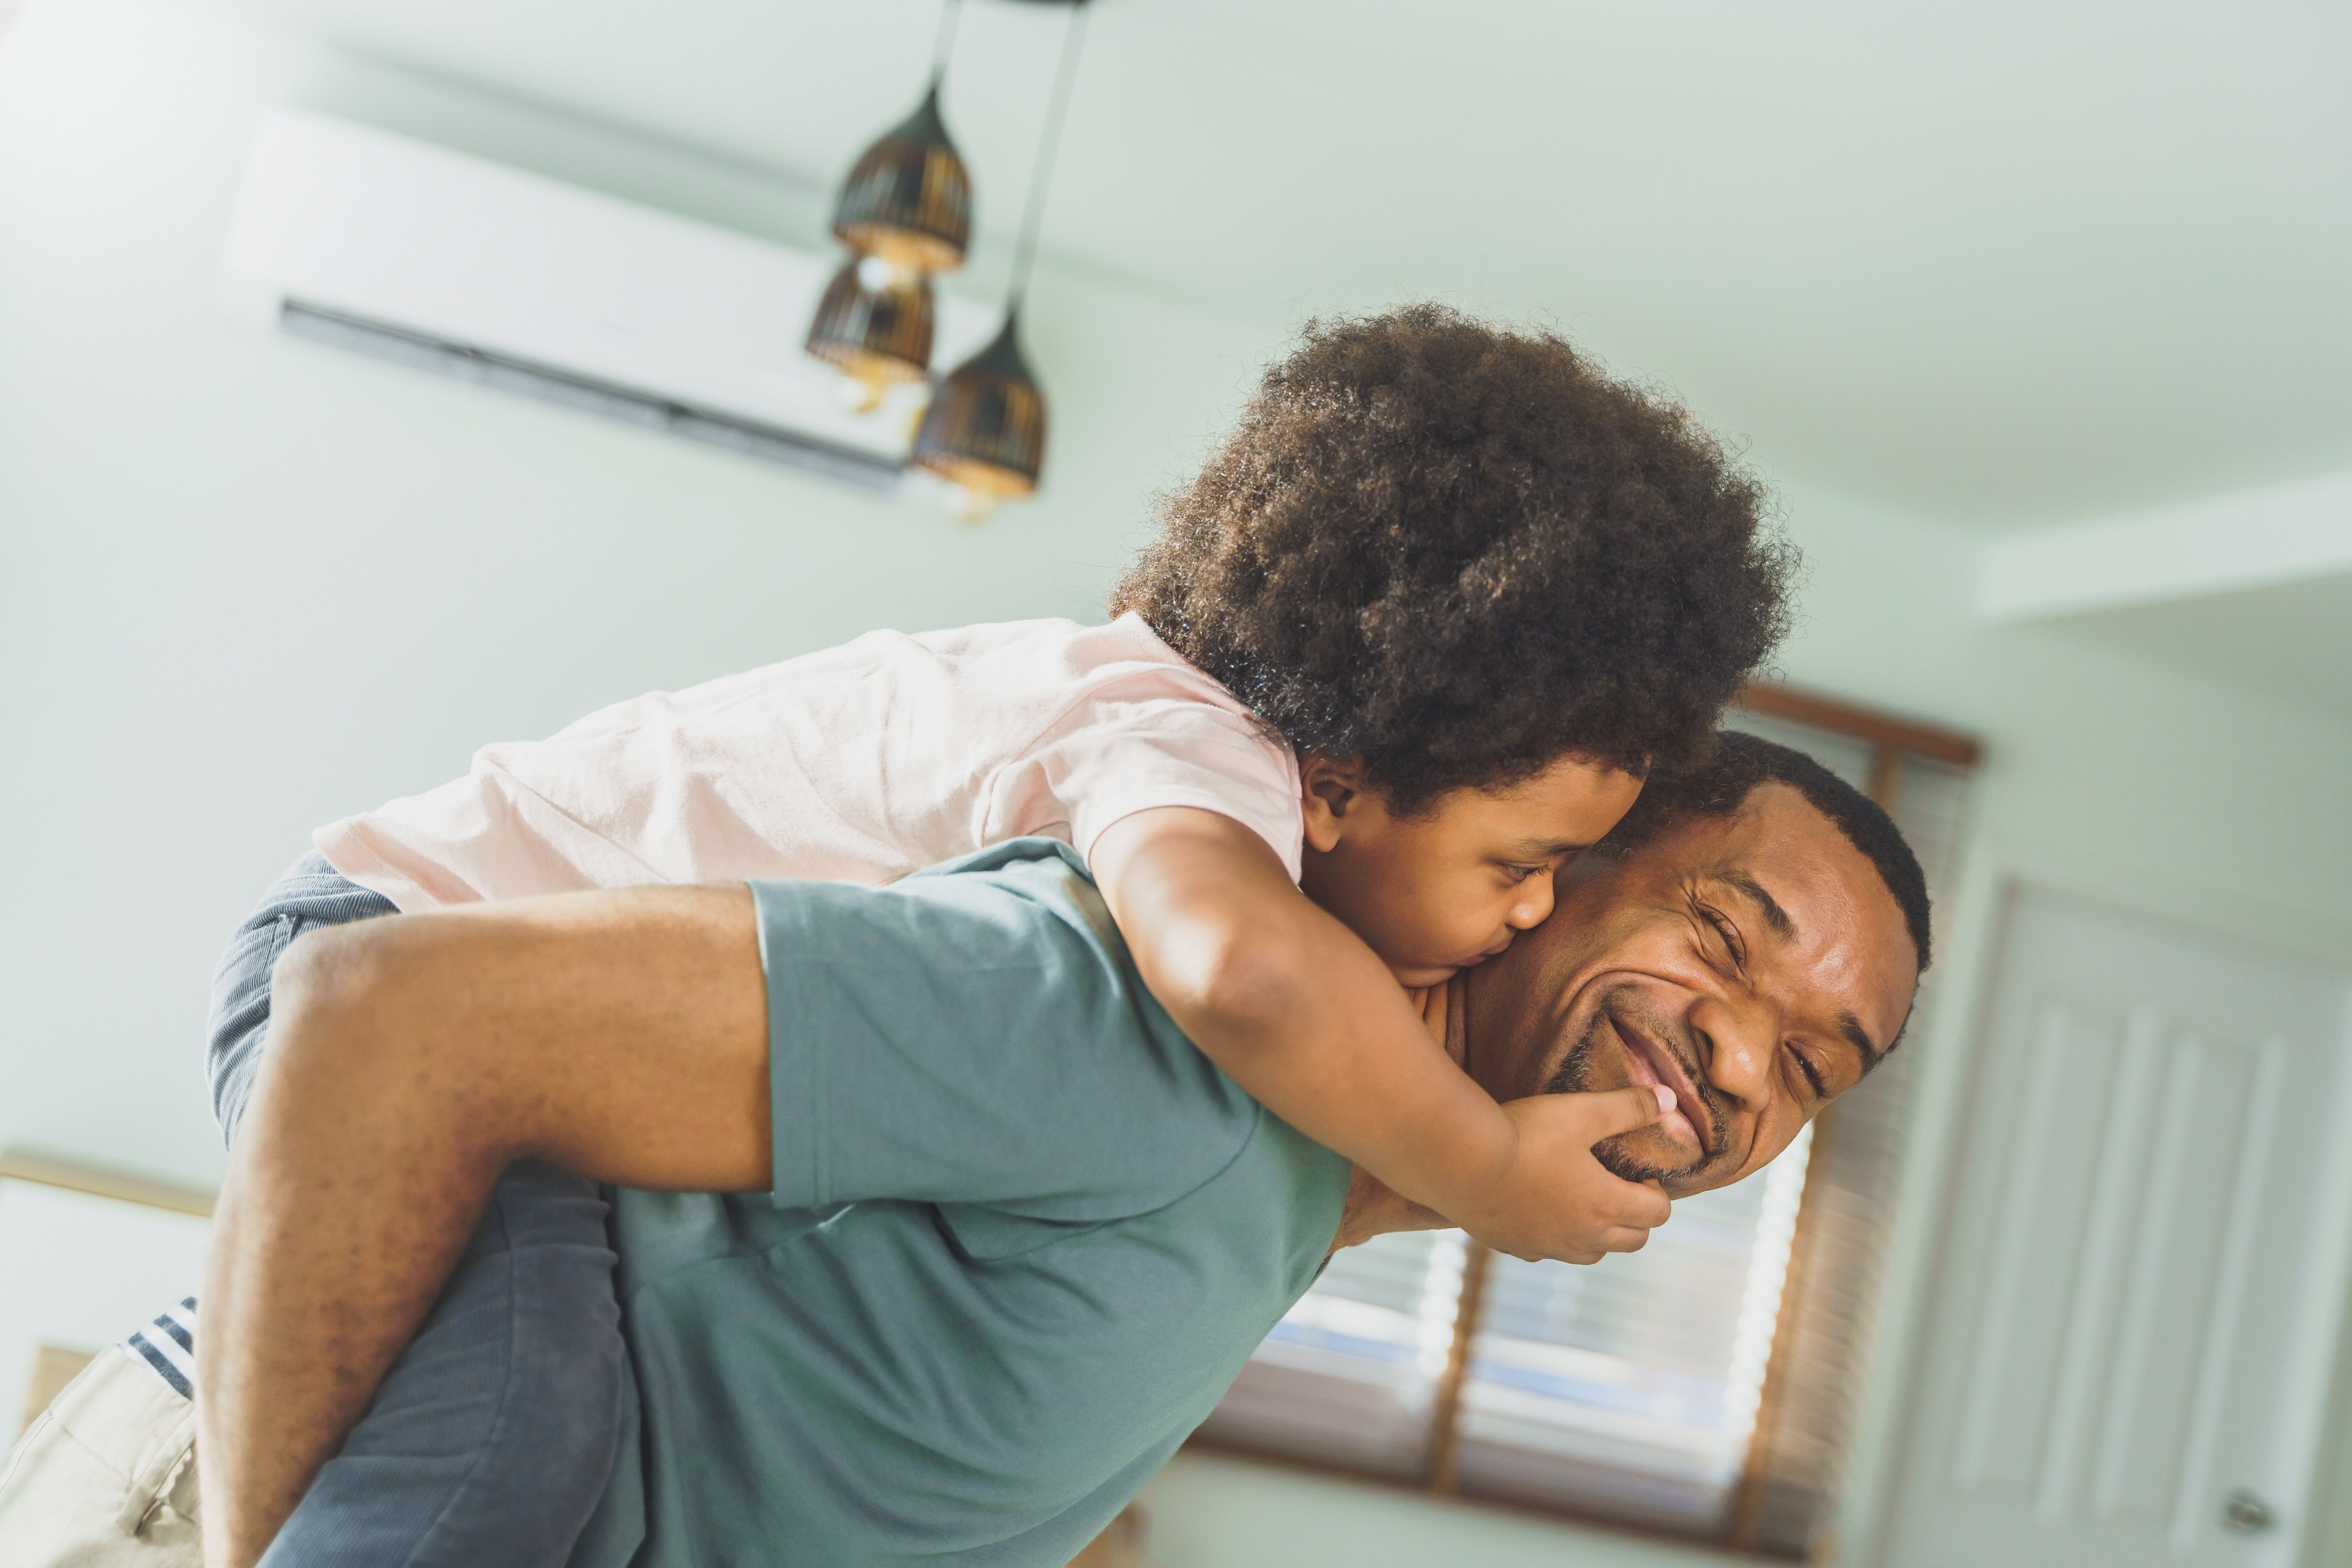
1319 1030
1295 1008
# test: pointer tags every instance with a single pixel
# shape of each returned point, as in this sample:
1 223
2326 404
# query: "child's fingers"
1581 1258
1584 1119
1616 1238
1626 1238
1640 1203
1616 1110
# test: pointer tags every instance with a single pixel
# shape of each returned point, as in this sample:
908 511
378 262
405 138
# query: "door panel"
2131 1254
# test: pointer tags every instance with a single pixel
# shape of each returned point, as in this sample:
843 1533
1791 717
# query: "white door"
2137 1290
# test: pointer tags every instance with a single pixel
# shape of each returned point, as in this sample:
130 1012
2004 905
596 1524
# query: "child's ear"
1327 791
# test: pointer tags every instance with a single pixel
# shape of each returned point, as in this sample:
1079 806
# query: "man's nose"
1532 907
1743 1035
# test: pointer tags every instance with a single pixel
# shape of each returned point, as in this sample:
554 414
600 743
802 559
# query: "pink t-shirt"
858 763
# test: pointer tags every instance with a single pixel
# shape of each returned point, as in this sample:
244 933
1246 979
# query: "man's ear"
1327 792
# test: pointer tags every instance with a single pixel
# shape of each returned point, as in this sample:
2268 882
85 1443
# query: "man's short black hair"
1737 766
1462 552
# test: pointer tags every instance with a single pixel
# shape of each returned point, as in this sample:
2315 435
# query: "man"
1020 1235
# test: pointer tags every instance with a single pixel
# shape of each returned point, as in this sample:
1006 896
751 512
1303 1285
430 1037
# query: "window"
1702 1386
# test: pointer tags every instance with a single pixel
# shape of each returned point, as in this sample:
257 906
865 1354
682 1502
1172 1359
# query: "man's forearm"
621 1035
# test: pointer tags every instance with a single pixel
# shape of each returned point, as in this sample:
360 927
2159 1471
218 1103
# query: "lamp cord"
949 10
1049 144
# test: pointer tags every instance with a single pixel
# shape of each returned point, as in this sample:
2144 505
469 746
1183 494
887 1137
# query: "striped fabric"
168 1346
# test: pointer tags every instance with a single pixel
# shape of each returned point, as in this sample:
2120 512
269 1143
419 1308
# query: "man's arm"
620 1034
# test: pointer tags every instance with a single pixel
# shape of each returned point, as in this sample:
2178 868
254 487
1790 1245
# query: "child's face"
1438 891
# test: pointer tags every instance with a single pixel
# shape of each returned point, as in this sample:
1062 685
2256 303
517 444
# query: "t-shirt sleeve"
979 1037
1114 758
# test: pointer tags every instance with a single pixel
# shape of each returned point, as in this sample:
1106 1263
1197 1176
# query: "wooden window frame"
1895 739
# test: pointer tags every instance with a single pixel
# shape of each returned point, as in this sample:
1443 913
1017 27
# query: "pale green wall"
250 585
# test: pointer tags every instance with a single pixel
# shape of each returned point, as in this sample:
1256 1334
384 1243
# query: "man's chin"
1646 1155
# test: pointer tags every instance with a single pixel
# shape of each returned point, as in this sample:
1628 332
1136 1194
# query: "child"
1409 643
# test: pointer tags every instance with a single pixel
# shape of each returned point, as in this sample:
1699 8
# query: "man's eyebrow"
1774 915
1859 1037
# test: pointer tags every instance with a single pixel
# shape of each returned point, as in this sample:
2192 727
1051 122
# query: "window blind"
1629 1389
1626 1390
1350 1373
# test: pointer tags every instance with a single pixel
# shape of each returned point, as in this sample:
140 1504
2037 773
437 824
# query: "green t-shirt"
1022 1236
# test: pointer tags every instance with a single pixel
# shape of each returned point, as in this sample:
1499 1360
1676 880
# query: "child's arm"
1301 1013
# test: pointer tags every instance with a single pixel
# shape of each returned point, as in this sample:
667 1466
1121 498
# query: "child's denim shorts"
493 1437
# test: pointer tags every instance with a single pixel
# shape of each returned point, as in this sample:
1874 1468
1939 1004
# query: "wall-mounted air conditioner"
351 235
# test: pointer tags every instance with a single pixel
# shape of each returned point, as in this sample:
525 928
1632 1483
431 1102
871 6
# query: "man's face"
1755 965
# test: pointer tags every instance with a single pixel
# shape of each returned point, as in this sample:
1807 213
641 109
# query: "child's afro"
1460 553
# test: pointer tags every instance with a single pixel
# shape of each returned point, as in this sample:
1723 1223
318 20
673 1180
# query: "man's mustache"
1574 1076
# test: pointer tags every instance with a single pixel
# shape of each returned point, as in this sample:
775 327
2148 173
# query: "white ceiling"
1995 263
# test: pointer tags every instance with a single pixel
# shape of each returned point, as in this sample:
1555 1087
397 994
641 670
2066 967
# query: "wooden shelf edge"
72 1176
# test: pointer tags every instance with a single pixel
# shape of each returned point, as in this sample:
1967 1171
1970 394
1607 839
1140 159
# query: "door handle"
2245 1513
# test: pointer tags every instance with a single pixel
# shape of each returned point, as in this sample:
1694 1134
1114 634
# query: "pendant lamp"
875 325
985 432
908 199
906 211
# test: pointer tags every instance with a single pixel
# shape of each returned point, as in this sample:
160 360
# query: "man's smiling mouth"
1652 1063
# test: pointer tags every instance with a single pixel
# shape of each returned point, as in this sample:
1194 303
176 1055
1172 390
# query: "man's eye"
1729 933
1812 1074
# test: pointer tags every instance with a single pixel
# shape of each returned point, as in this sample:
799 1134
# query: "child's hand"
1555 1200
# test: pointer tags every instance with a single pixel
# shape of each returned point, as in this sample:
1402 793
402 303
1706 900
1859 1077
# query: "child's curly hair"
1460 553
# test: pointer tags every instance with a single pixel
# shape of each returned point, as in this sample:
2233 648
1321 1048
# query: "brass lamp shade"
876 335
908 197
985 428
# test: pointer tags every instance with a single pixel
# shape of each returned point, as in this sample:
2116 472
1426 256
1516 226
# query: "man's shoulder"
984 1020
1054 879
1021 860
